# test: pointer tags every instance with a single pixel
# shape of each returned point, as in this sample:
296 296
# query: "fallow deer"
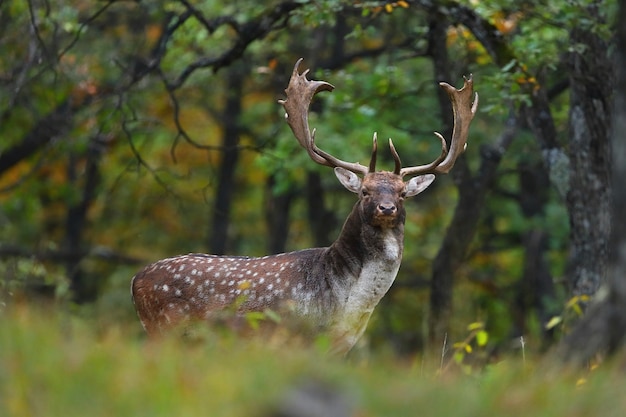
335 289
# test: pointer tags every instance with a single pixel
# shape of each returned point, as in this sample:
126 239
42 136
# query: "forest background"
132 131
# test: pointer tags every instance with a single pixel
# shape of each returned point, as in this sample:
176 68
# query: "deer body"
333 289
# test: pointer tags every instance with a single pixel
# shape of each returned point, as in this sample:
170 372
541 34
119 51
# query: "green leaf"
254 318
482 337
272 315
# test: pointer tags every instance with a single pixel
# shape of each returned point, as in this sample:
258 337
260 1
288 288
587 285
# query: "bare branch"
82 26
253 30
211 25
61 256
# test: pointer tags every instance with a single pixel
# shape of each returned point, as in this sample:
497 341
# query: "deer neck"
360 242
365 261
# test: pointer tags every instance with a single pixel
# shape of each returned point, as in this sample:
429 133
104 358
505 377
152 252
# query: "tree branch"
62 256
255 29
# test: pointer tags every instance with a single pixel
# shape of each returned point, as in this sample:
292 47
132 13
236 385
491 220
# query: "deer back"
174 291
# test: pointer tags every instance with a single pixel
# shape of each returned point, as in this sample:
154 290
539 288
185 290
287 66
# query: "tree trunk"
322 220
603 328
588 199
277 209
472 193
536 287
218 234
451 250
83 287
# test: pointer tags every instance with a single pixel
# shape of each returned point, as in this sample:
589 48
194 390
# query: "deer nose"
387 208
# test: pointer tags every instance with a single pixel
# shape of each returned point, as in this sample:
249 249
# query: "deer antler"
464 110
300 92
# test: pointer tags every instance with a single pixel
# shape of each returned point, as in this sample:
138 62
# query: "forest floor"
59 364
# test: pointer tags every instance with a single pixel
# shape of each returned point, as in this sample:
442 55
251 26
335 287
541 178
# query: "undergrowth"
55 363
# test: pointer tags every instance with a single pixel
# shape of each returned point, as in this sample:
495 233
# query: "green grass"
55 364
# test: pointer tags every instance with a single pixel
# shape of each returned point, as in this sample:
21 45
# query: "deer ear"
349 179
418 184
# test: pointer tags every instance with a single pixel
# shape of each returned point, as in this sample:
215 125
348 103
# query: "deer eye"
403 194
364 192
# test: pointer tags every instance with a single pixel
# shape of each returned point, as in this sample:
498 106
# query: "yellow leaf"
478 325
553 322
577 299
403 4
459 345
577 309
388 8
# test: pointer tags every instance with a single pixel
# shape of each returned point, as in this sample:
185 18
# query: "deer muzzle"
385 214
387 209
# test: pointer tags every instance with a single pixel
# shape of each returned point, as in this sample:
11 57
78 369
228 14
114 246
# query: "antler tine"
372 167
300 92
396 158
464 106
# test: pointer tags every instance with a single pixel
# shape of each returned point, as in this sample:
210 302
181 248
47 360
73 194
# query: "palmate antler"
464 109
300 92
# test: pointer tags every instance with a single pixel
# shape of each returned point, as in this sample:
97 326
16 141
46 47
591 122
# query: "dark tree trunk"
588 199
218 234
451 250
83 288
603 328
277 207
617 255
472 193
323 221
536 288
